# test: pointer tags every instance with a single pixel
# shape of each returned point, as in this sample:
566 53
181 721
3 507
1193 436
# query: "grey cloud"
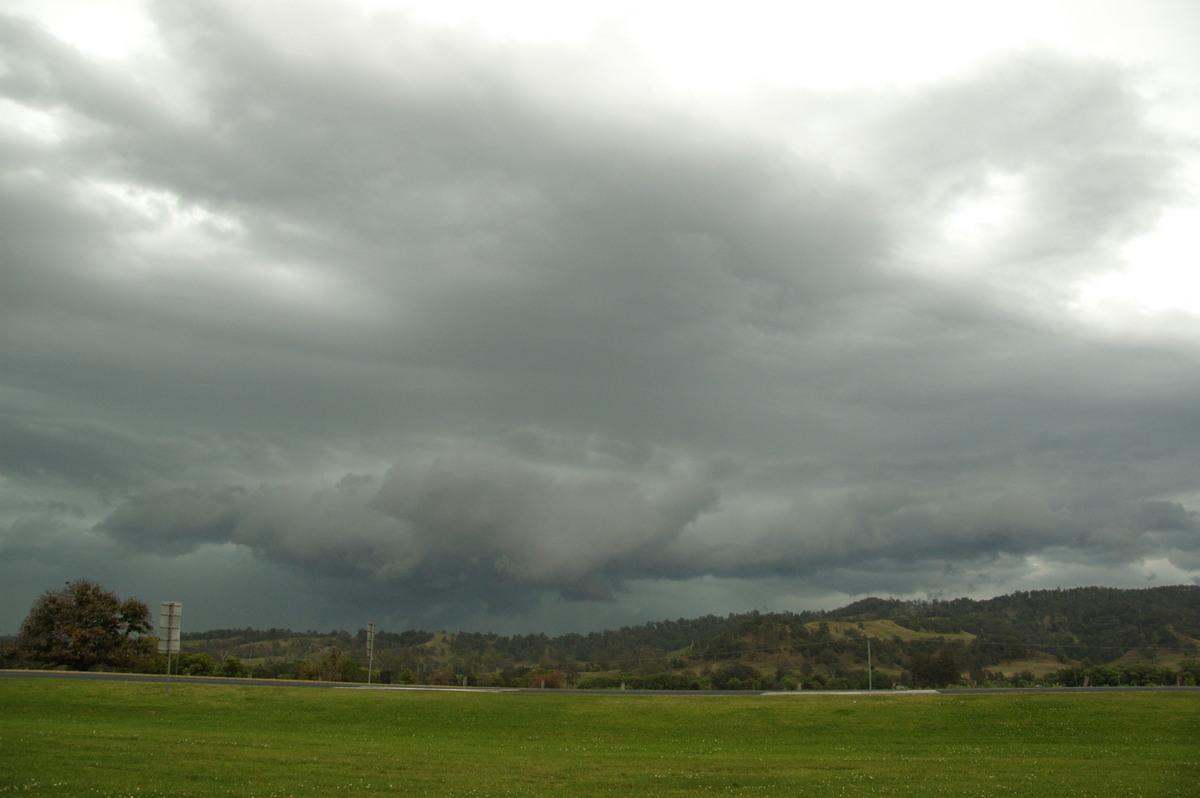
472 520
49 73
575 337
463 519
1167 517
326 532
176 521
1078 127
540 527
881 530
330 531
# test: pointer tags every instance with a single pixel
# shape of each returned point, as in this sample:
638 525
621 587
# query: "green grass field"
76 738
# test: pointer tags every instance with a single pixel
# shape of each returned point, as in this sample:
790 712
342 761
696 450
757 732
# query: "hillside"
1021 637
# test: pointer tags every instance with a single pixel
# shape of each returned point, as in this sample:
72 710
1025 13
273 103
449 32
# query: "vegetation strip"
1082 637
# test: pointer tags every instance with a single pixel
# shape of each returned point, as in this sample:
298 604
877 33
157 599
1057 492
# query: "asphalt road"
141 677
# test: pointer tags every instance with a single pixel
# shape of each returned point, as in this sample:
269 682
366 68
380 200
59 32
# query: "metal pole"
370 650
870 681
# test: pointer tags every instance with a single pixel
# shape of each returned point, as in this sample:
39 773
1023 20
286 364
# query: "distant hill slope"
1037 629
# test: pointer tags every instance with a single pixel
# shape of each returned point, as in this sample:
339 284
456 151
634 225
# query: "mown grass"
62 738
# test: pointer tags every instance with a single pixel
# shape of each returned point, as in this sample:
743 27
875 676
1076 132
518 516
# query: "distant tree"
333 667
940 670
1023 679
278 669
234 668
545 678
199 664
443 675
83 626
351 671
1189 672
736 676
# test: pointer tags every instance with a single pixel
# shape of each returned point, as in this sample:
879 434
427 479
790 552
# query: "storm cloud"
446 328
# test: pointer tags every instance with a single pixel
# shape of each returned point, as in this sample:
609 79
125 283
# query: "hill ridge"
1025 632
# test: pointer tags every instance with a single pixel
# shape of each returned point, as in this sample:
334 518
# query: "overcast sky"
527 317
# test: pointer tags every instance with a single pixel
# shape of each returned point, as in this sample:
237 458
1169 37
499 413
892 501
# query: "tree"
196 664
736 675
234 668
83 626
940 670
333 667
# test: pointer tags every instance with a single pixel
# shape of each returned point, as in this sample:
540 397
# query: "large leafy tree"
83 626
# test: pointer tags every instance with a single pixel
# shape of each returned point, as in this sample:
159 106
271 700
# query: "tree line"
1082 636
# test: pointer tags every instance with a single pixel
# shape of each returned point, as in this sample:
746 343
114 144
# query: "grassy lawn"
74 738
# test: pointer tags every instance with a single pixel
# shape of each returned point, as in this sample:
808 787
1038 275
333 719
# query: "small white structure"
168 633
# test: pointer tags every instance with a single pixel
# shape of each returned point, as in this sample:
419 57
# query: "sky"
548 317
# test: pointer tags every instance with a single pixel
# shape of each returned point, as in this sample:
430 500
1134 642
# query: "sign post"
168 634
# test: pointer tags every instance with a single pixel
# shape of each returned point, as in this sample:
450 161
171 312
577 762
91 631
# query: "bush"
234 668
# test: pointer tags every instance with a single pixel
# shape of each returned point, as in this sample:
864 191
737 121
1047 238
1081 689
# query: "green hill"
1150 634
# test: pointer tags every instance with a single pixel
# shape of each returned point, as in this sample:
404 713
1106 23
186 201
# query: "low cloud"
463 522
464 519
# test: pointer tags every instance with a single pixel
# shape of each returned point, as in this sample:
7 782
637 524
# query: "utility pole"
870 681
370 650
